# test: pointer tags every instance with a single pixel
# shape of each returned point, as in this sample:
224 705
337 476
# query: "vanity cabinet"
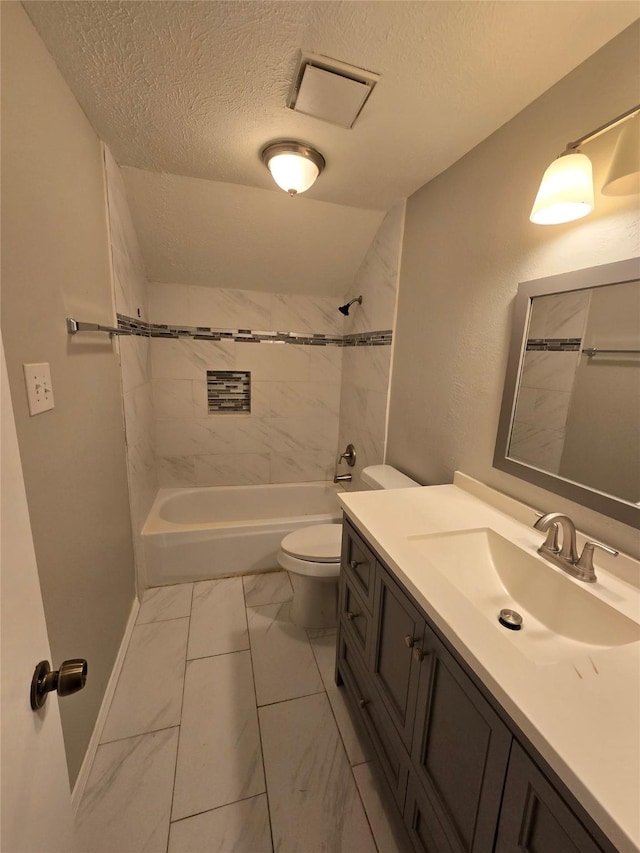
461 781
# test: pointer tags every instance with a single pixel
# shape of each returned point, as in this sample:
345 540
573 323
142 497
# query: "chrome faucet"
566 557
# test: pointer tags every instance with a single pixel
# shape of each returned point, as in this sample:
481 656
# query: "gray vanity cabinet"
534 816
460 780
459 753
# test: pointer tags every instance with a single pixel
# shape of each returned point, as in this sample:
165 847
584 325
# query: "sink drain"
511 619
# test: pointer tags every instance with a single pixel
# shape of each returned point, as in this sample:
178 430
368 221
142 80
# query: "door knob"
71 677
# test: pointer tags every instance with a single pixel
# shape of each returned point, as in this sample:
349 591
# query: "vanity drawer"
356 619
358 563
369 710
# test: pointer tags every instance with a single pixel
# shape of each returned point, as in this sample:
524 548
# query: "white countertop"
582 714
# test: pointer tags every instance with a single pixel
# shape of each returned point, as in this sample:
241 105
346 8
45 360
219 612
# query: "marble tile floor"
227 734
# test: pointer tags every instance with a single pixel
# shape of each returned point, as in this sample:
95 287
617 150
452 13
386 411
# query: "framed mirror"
570 416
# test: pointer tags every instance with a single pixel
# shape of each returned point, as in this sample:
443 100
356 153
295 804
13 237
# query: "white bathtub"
196 534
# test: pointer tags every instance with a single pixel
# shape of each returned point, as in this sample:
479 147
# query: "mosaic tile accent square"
228 391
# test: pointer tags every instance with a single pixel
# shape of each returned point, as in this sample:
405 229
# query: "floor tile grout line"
217 808
157 621
139 734
184 681
255 693
351 766
292 698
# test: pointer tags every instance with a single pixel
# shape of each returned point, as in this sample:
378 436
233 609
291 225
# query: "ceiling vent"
330 90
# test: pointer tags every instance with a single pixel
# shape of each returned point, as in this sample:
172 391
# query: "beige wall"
55 262
468 242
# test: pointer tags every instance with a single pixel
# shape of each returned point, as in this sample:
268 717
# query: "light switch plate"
39 389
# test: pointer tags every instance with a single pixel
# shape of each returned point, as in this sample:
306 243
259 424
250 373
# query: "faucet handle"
585 563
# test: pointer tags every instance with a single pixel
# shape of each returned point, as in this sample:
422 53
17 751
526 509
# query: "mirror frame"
615 273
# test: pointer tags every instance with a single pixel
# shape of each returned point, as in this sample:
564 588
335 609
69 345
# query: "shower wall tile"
273 361
176 398
559 315
169 304
314 314
128 266
295 389
554 371
325 364
190 359
232 469
176 471
302 467
229 309
130 294
377 278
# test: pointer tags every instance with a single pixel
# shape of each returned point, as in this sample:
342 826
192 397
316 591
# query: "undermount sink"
560 618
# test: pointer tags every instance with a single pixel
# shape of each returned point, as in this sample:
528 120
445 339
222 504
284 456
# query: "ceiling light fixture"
293 166
566 191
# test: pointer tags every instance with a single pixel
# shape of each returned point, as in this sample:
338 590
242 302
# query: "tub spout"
342 478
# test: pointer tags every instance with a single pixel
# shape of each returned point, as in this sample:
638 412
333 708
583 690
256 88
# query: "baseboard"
92 748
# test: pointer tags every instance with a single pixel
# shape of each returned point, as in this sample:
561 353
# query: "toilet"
311 555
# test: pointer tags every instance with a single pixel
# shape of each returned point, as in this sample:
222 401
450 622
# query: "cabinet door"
398 633
534 816
460 750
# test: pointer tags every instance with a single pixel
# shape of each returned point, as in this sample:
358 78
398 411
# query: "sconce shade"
293 166
623 177
566 191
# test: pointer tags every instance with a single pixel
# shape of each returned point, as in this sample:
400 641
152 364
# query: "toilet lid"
318 544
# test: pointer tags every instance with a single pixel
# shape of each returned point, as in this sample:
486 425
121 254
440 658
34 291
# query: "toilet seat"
313 551
319 543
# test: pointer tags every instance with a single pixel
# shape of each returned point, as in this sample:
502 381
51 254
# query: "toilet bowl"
311 555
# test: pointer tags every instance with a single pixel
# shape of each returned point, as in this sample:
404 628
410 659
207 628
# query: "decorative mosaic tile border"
554 344
206 333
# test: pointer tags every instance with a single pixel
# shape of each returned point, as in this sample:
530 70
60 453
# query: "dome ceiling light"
293 166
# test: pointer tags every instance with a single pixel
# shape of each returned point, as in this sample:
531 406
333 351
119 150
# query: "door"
36 802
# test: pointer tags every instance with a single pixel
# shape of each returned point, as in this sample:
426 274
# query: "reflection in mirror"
570 418
578 413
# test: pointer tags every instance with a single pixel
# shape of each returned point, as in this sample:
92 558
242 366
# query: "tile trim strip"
205 333
554 344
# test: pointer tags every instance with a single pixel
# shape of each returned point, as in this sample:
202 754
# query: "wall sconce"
566 190
293 166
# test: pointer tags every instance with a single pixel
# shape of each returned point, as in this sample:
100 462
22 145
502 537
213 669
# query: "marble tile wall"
366 371
291 432
547 378
130 289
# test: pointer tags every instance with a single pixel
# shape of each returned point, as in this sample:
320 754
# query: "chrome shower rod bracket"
74 326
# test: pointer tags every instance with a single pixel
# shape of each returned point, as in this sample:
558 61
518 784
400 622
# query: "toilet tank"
386 477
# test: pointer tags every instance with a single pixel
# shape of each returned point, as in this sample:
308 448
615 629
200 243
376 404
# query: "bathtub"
197 534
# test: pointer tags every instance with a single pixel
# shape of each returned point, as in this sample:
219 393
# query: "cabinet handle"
353 564
363 703
351 615
409 641
419 655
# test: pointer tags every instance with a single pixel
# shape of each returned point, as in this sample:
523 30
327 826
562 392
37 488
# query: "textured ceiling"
188 93
198 88
224 235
